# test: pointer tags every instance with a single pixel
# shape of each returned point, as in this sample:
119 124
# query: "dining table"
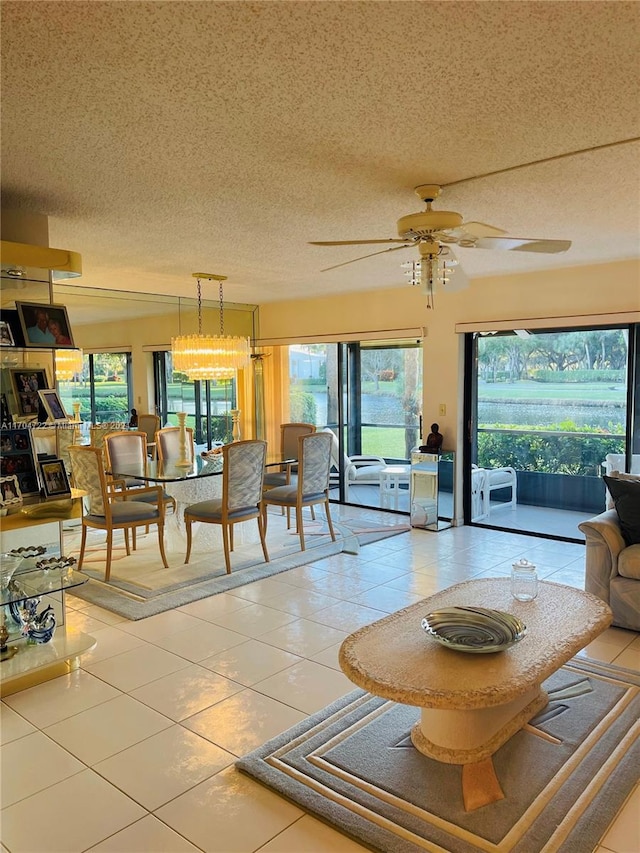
199 481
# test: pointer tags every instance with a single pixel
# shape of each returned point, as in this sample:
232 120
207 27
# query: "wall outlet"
442 409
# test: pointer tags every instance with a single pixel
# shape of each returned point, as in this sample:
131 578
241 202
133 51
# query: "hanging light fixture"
435 267
69 362
204 357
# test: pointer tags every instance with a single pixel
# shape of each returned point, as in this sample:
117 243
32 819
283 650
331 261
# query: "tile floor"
134 752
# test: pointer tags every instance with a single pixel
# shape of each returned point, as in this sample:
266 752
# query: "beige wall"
597 291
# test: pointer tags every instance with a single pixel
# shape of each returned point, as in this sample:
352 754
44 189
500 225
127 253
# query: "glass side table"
34 648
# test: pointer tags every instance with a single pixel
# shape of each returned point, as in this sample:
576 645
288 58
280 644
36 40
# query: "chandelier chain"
221 313
199 307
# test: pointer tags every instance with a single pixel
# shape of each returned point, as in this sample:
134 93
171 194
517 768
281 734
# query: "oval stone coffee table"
472 703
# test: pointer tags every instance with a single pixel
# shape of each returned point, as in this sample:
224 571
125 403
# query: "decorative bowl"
478 630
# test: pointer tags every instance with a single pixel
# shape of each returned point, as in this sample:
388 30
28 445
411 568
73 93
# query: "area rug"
564 776
139 586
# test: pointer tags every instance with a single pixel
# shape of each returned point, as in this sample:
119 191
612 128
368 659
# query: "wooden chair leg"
161 544
126 541
82 546
231 537
300 526
263 541
329 522
187 521
225 542
133 538
107 568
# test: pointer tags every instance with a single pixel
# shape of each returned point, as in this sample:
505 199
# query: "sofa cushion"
626 497
629 562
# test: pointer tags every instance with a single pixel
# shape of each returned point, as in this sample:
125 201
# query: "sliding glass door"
549 412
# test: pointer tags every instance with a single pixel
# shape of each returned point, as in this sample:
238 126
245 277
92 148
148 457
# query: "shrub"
613 377
303 407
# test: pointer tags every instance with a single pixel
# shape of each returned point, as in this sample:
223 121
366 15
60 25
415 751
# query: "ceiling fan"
434 232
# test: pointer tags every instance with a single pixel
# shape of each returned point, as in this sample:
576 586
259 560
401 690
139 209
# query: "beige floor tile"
60 698
102 615
96 734
154 628
341 586
386 599
260 591
255 620
216 605
329 657
110 642
244 721
201 641
300 602
304 637
148 835
164 766
229 812
624 834
417 584
346 616
31 764
308 686
137 667
305 576
68 817
629 657
309 835
250 662
186 692
12 725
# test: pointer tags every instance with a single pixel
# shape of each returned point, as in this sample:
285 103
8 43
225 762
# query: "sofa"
612 568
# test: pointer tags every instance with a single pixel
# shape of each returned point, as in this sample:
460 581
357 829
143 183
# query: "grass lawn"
540 391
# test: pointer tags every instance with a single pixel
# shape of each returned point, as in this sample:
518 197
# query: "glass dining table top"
153 471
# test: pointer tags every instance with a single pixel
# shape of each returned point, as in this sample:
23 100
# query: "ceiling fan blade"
362 257
481 229
523 244
354 242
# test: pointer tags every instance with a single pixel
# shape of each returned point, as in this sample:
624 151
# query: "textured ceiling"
167 138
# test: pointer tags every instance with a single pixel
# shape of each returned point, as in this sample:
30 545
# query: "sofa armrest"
604 542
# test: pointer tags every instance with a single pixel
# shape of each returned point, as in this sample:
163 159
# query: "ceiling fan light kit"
434 231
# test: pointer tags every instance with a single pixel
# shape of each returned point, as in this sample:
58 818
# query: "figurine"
133 421
434 440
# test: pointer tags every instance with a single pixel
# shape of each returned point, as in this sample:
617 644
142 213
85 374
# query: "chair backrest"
243 473
125 448
168 443
97 432
87 468
289 435
149 424
335 450
314 454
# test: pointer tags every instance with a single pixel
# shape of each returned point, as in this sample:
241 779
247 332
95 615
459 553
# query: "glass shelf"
36 582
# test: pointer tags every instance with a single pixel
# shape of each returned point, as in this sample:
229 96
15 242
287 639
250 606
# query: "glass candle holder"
524 580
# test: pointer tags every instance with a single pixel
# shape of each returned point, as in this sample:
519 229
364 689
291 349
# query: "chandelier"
210 357
435 268
69 362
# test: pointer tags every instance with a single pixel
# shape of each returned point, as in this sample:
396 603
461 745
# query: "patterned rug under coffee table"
565 775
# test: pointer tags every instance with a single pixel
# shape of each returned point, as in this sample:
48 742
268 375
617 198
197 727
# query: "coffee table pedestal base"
469 736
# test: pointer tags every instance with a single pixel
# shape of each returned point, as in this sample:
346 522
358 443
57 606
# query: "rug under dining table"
140 586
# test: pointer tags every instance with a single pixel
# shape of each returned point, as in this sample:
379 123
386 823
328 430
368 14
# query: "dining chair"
128 449
168 444
242 473
97 432
150 424
289 435
111 506
312 482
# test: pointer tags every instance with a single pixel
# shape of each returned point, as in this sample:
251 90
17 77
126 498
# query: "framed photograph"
26 384
5 412
54 479
17 459
10 494
6 335
53 405
45 325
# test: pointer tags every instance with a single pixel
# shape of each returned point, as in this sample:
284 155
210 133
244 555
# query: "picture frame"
10 494
6 335
17 458
26 383
54 478
45 325
5 411
52 405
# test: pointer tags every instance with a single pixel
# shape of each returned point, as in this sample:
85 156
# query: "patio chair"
358 470
312 482
496 478
110 506
242 473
